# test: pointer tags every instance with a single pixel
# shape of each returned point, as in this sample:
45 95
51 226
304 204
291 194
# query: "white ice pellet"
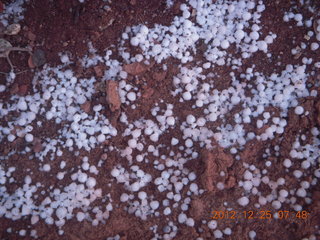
212 224
115 172
134 41
142 195
314 46
167 211
131 96
80 216
64 59
252 234
182 218
225 44
187 96
82 177
190 222
218 234
298 110
2 88
29 137
243 201
154 205
124 197
46 167
170 121
287 163
91 182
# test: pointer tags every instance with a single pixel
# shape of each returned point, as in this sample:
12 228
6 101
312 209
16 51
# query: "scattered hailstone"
243 201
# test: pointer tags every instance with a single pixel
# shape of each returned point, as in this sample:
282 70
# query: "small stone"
30 63
135 68
4 44
86 106
38 58
37 145
13 29
113 97
99 70
159 76
23 89
31 36
147 93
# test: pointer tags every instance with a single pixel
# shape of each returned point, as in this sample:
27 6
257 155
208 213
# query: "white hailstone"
247 185
22 105
192 176
298 17
305 164
283 193
305 184
182 218
46 168
314 46
243 201
287 163
246 16
276 204
188 143
134 41
2 88
174 141
135 186
11 137
61 212
91 182
29 137
115 172
212 224
142 195
252 234
218 234
82 177
69 143
297 173
64 59
132 96
124 197
170 121
301 192
187 96
227 231
262 200
190 222
193 187
190 119
132 143
154 137
101 138
85 166
144 30
247 175
239 34
298 110
262 45
154 205
80 216
22 232
225 44
34 219
156 49
254 35
167 211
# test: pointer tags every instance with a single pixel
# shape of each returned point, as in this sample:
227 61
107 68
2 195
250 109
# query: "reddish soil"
67 26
